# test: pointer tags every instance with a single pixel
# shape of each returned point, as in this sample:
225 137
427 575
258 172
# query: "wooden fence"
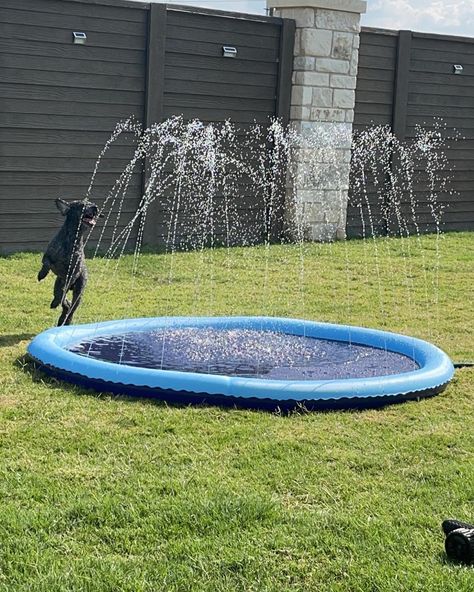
407 79
59 101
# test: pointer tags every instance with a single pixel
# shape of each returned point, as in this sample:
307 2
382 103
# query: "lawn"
110 494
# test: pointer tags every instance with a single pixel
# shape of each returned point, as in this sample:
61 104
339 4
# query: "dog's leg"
60 298
43 272
77 291
58 293
64 315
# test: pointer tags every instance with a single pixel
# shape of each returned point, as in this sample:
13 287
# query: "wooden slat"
249 91
61 93
83 22
384 89
446 83
435 67
215 102
60 164
70 51
82 66
370 75
41 235
184 75
218 23
219 63
59 180
431 40
30 203
94 39
211 49
465 114
378 38
57 122
462 125
363 120
376 62
443 55
84 81
436 100
55 150
113 9
382 51
24 194
217 115
376 109
234 38
52 219
74 137
122 111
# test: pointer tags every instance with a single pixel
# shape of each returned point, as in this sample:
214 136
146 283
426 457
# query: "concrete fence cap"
358 6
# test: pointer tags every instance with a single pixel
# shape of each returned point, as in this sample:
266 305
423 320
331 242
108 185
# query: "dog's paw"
42 273
55 303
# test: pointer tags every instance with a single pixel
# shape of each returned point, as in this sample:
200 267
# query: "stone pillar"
322 106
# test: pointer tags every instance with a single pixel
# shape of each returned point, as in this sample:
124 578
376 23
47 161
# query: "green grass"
101 493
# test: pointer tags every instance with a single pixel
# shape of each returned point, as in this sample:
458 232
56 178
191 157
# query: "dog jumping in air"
65 256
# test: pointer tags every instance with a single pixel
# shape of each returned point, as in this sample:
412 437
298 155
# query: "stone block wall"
322 108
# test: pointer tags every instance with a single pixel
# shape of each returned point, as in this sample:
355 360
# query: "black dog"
65 256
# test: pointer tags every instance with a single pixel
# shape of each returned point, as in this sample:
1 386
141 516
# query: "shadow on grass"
444 559
37 374
11 340
129 393
174 399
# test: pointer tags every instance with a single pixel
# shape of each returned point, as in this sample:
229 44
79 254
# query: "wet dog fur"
65 257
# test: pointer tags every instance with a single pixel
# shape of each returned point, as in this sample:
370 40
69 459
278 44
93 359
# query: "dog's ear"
62 206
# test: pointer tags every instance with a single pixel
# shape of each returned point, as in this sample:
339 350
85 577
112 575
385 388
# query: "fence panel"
197 81
436 93
405 80
60 101
374 106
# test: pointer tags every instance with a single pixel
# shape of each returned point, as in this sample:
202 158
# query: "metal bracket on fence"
458 68
229 52
79 37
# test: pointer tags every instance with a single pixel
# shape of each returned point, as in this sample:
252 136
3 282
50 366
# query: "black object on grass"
459 542
450 525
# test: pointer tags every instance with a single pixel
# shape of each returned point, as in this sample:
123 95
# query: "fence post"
282 111
400 98
155 74
399 116
285 69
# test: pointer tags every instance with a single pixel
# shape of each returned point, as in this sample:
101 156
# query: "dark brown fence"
407 79
59 101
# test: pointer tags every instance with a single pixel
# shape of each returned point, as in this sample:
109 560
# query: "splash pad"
261 362
194 172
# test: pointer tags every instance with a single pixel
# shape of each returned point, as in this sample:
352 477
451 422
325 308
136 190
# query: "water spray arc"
199 176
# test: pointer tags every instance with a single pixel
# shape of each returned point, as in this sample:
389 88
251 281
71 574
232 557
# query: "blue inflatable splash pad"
261 362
